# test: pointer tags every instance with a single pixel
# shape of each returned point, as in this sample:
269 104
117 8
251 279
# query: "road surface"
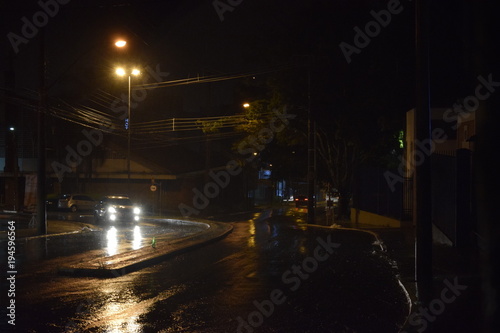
271 274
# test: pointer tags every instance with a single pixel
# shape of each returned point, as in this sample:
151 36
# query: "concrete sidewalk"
456 304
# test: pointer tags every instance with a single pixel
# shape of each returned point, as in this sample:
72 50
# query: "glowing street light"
120 71
120 43
246 105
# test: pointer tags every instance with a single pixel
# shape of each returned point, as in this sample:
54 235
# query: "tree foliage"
354 127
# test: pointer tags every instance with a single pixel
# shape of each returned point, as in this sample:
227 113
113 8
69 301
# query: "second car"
116 208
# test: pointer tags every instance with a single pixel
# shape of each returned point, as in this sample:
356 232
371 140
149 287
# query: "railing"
407 196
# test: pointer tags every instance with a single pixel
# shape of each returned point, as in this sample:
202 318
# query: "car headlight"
137 210
112 209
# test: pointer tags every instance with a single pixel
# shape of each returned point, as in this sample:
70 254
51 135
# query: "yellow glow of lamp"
120 71
120 43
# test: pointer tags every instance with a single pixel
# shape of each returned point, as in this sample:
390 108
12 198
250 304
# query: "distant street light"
123 72
246 105
120 43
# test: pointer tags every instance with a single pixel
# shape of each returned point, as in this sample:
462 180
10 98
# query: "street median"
130 261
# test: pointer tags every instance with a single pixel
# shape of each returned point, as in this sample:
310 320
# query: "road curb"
132 261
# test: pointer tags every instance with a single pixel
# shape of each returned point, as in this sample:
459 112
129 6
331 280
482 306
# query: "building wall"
446 180
24 164
119 165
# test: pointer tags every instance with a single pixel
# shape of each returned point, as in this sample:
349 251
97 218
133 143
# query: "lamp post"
123 72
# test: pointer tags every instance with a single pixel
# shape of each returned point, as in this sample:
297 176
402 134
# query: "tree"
354 127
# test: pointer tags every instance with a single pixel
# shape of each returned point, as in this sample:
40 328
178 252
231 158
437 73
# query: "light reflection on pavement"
128 239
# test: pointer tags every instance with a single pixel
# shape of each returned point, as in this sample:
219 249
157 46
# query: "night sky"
188 38
194 39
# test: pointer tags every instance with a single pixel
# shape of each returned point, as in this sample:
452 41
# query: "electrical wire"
91 117
205 79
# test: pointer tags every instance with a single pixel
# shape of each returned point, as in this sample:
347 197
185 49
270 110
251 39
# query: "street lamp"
124 72
120 43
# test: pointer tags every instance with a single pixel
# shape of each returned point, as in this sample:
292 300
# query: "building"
451 154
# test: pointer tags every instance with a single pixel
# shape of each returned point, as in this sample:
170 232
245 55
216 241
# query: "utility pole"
423 201
42 109
129 130
311 163
11 157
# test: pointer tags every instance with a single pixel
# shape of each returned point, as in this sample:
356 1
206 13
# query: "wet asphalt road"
271 274
111 240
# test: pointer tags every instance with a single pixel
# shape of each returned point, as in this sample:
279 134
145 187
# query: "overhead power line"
105 120
205 79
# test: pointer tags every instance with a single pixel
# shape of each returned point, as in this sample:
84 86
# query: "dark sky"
188 38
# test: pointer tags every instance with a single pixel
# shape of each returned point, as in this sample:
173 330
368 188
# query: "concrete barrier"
363 217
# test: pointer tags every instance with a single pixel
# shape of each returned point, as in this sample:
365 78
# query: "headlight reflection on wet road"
119 320
112 241
251 230
119 312
137 241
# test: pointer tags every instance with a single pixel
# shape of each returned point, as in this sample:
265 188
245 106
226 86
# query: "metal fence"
373 193
407 199
451 193
452 203
444 194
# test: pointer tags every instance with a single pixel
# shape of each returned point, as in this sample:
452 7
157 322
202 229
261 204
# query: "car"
75 202
116 208
301 200
52 202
